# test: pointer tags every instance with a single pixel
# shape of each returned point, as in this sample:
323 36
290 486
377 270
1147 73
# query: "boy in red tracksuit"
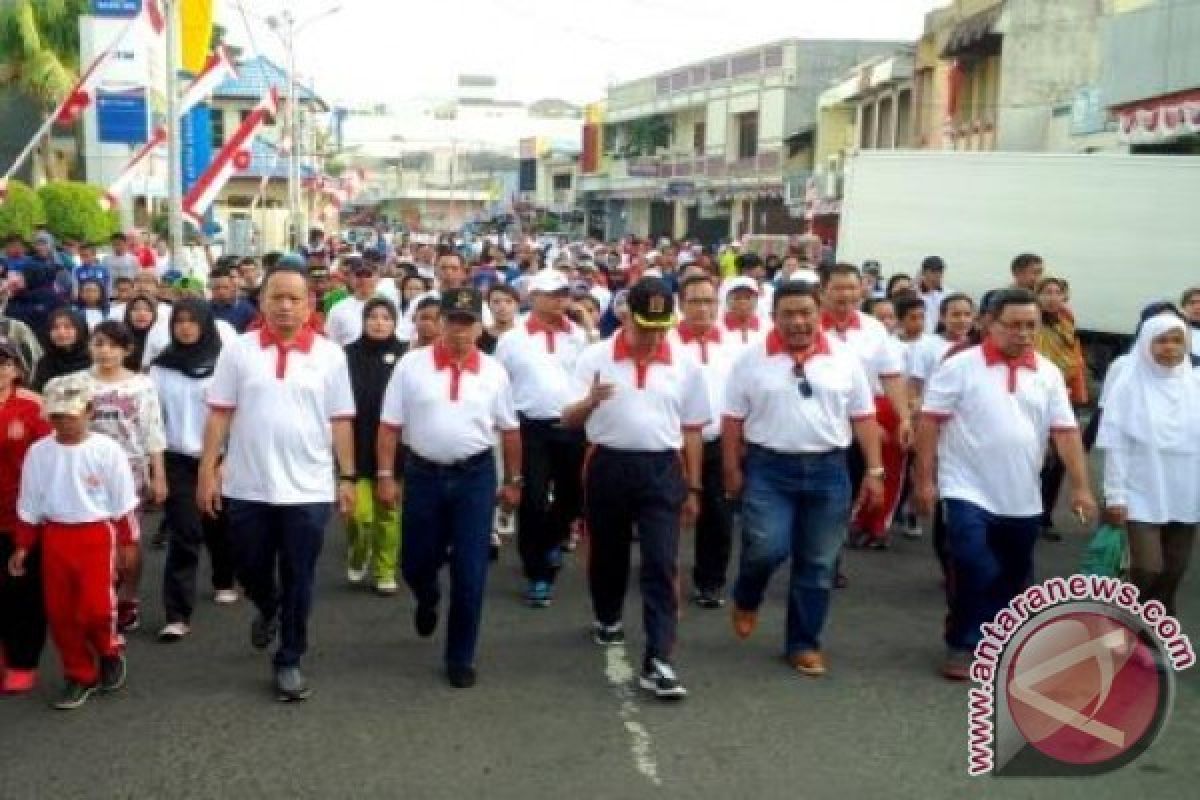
77 496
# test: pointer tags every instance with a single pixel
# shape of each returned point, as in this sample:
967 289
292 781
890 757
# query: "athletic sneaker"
129 617
608 635
290 685
708 598
539 594
225 597
112 672
386 587
355 576
659 677
173 632
73 696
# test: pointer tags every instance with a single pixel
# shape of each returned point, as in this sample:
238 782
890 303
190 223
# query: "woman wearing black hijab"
141 315
67 347
182 373
373 532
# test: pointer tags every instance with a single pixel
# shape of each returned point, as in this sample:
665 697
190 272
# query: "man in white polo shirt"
741 325
539 354
699 334
987 415
344 323
793 404
445 403
280 407
641 403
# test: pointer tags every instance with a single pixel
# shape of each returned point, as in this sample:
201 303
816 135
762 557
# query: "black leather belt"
468 463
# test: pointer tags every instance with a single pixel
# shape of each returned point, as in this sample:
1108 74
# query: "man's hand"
733 481
1084 505
388 490
16 563
1116 516
347 494
599 392
158 490
509 497
904 434
870 496
208 492
925 498
691 509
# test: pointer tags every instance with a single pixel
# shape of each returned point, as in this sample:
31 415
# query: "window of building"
218 129
698 138
562 181
747 127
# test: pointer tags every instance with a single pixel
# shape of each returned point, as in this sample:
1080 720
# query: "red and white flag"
217 69
232 158
112 196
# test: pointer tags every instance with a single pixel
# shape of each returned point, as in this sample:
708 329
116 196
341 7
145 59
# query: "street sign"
122 117
116 8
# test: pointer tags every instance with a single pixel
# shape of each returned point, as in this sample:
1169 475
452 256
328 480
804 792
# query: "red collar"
303 341
993 357
534 325
688 334
621 350
734 324
830 324
442 359
776 346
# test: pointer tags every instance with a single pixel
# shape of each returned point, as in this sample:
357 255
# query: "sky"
380 51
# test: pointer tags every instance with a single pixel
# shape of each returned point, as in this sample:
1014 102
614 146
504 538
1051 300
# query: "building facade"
710 150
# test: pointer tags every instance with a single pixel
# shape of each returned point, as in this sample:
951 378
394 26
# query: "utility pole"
299 236
174 150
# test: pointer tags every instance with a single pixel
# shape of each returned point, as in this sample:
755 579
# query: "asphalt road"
546 720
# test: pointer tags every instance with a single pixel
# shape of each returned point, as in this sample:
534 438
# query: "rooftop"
257 75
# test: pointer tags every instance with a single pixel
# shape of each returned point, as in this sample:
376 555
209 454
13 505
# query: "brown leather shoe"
810 663
744 623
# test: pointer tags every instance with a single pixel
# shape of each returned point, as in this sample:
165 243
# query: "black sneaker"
73 696
608 635
262 631
460 676
708 598
112 672
129 618
425 620
291 685
659 677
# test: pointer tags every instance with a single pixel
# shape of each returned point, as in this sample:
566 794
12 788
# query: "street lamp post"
287 29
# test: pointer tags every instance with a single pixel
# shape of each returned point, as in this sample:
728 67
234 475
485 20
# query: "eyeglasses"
806 390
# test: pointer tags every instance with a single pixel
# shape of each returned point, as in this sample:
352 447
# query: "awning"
1159 120
973 31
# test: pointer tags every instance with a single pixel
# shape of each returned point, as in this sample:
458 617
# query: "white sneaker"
225 597
356 575
173 632
386 587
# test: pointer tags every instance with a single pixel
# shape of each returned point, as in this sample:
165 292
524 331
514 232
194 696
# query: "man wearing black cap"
345 320
445 403
641 403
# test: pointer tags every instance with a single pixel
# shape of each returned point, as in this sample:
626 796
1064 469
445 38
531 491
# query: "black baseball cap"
462 303
9 350
652 304
933 264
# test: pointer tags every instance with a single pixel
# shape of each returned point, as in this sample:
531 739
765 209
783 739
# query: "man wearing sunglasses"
793 405
345 321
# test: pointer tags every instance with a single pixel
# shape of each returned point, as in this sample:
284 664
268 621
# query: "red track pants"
81 608
895 461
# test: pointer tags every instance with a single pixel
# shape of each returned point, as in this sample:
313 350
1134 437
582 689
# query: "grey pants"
1158 556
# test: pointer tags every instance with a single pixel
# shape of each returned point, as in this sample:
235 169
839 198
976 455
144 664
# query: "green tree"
74 211
21 211
39 53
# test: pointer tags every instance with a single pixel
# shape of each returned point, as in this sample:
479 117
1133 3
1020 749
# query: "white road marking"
620 676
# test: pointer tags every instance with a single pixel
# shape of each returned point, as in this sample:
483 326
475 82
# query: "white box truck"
1124 230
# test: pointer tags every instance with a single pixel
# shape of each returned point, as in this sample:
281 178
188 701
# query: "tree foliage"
22 211
39 47
73 211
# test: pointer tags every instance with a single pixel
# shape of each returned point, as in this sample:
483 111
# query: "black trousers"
552 460
190 531
714 527
22 609
644 489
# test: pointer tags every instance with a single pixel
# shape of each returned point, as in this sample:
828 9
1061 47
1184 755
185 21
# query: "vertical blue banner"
196 145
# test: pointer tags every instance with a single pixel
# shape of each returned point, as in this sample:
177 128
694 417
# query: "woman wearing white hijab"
1150 433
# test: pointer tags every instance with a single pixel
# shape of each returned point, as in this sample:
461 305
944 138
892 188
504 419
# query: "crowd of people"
616 394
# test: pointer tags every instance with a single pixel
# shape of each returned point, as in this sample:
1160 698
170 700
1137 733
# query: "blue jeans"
285 539
798 506
448 518
991 562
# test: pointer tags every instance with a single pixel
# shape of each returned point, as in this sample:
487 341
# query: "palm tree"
39 54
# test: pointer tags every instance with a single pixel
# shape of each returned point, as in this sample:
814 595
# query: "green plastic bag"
1105 554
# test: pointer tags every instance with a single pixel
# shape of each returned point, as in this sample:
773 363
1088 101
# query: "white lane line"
620 676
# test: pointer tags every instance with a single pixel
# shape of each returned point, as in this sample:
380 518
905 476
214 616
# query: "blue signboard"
196 144
116 8
122 117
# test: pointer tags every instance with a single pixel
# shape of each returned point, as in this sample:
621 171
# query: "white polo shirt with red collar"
540 361
447 412
738 334
711 350
880 354
764 391
997 416
283 397
652 403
